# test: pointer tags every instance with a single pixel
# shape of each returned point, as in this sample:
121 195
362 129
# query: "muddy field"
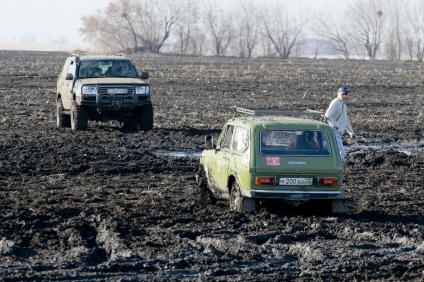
104 204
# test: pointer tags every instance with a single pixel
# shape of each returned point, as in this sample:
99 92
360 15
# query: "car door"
239 162
66 88
222 158
61 78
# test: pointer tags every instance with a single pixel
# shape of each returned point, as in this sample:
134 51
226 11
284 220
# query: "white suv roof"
100 57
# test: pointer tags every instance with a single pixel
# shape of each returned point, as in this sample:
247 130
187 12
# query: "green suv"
272 157
103 88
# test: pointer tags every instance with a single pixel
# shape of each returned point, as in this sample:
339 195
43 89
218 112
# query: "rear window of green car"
294 143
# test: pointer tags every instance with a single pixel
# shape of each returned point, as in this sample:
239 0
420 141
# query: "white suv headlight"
142 90
89 90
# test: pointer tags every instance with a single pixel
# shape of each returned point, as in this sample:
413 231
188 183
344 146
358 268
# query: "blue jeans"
340 144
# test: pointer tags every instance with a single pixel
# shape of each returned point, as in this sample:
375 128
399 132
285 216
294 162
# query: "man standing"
337 118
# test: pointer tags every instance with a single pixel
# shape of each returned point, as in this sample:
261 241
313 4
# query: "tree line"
393 29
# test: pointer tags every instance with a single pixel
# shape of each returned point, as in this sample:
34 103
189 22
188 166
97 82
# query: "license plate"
117 104
295 181
117 91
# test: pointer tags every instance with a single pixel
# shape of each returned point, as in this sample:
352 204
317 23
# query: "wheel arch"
202 167
206 171
230 182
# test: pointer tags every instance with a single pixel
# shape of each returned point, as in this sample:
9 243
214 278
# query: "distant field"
41 47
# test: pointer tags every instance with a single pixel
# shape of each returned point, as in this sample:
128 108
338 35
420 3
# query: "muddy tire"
145 118
130 126
205 195
338 206
79 117
238 203
62 120
142 120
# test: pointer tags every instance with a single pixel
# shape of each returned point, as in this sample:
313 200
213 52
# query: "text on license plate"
117 91
296 181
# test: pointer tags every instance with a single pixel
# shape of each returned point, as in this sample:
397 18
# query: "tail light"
265 180
328 181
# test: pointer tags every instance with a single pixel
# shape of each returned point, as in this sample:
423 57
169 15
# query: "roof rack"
270 112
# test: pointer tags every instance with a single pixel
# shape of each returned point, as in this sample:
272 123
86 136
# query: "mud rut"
98 204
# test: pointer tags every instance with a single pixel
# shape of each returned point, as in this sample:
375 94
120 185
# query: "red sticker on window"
272 161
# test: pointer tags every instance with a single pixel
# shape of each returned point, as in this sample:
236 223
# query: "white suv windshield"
294 143
106 68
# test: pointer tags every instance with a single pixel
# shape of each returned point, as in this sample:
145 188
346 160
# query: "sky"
45 21
59 21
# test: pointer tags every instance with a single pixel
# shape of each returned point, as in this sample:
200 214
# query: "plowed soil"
101 205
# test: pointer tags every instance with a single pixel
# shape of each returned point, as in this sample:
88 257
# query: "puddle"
409 148
183 153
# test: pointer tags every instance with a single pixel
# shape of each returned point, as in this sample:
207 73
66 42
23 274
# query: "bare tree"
134 24
265 44
416 27
396 29
107 29
197 42
125 10
187 26
409 43
334 34
156 20
220 27
282 29
366 19
248 30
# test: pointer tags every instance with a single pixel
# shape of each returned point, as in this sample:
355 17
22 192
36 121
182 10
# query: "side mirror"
144 75
209 142
69 76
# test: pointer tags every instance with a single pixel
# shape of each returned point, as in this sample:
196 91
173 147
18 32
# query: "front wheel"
205 194
238 202
145 118
79 117
142 120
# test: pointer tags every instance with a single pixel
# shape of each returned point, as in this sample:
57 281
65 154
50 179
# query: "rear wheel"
338 206
79 117
239 203
62 120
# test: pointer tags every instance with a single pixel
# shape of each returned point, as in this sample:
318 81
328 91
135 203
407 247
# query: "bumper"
294 195
114 102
